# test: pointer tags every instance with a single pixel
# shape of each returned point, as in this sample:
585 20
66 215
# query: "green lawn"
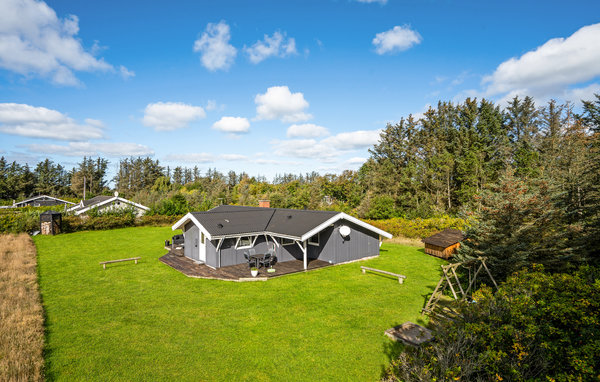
149 322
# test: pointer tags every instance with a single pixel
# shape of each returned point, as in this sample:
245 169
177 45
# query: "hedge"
28 220
418 228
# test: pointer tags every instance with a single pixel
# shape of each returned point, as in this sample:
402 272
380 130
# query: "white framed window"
245 242
285 241
315 240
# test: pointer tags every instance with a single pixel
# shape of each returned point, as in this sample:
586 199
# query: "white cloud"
353 140
301 148
382 2
307 130
39 122
271 46
234 125
213 45
191 158
126 73
233 157
167 116
552 66
34 41
204 157
397 39
79 149
211 105
585 93
279 103
356 160
326 149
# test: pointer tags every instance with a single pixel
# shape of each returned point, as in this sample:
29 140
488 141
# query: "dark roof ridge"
255 208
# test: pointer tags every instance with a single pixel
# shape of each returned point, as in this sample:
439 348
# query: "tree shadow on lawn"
392 350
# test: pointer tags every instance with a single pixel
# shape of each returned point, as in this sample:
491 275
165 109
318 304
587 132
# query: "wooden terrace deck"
239 272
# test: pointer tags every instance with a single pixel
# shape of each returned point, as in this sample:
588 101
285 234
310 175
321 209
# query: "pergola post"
305 252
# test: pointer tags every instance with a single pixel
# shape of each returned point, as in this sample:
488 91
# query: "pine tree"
517 226
591 214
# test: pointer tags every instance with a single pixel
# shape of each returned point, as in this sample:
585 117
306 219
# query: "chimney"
264 203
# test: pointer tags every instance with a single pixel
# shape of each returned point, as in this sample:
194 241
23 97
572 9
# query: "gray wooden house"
219 237
42 201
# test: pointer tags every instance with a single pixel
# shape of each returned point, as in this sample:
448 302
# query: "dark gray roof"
95 200
91 202
44 197
446 238
235 220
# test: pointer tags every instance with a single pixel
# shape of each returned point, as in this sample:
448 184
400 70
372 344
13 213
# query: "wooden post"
450 284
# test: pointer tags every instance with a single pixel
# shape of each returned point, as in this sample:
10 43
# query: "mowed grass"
150 322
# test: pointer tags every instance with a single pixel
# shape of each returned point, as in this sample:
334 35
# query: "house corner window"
244 242
285 241
315 240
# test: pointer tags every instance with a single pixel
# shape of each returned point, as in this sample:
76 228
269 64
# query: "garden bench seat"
400 277
103 263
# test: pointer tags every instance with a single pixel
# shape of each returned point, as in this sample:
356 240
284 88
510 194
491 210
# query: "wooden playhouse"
443 244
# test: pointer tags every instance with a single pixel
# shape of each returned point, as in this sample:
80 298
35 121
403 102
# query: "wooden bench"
400 277
103 263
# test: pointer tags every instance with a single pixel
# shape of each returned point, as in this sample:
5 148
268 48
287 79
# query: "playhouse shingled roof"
446 238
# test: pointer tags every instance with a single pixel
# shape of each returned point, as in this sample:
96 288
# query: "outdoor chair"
270 258
266 261
251 262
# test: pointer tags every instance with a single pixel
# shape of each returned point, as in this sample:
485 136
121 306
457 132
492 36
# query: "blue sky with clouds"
269 87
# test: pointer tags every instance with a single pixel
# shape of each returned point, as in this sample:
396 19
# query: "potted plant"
254 271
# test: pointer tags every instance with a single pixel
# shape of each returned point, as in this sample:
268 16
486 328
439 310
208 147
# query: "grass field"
149 322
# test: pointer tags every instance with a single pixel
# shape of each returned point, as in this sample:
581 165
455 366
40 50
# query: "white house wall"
113 206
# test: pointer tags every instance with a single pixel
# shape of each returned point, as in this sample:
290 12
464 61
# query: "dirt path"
21 314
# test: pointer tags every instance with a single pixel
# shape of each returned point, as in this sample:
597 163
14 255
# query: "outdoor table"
257 258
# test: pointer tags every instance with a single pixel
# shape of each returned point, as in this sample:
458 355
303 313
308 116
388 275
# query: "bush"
177 205
157 220
537 326
87 223
418 228
24 219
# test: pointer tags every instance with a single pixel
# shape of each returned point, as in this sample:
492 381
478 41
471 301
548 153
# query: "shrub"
87 223
157 220
418 228
537 326
177 205
25 219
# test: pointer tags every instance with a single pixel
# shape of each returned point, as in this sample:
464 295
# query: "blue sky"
269 87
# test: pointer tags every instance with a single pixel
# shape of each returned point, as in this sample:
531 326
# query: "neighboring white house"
107 203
